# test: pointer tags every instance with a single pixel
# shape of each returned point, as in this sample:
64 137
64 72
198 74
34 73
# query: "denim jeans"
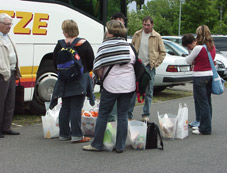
147 99
113 114
107 102
202 100
71 112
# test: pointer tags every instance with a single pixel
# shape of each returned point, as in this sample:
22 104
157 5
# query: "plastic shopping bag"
88 107
182 122
88 121
50 129
137 134
109 140
167 124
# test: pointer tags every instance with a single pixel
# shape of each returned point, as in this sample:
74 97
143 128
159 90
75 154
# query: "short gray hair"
4 16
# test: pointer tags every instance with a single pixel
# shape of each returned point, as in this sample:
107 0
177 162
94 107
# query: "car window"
175 48
220 43
169 50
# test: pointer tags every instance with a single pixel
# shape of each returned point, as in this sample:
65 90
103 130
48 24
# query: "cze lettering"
39 26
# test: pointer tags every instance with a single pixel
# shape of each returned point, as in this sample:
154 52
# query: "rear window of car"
220 43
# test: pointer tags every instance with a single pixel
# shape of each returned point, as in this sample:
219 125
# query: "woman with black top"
73 92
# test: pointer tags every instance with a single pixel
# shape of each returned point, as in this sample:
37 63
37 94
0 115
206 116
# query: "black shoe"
10 132
119 151
1 135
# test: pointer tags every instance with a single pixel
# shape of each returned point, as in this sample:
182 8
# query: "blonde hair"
204 37
116 28
70 27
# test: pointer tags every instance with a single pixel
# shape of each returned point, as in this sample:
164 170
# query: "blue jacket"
82 86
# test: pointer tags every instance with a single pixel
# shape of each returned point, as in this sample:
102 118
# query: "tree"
196 13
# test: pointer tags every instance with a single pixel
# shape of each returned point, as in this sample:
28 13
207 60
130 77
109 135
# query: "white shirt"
144 49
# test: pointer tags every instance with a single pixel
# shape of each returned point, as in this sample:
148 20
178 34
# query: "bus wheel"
44 87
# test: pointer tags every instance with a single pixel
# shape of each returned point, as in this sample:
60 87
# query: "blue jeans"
147 99
113 114
107 102
71 111
202 99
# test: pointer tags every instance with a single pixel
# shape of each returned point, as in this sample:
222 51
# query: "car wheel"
159 89
45 82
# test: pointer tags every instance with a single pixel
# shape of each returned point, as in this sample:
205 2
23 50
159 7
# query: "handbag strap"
215 73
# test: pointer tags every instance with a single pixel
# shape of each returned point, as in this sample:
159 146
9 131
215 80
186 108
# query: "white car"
221 52
174 70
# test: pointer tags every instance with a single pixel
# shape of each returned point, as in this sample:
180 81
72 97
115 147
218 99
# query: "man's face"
191 46
147 26
5 26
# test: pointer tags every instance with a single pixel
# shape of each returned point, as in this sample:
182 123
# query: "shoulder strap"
62 43
101 86
107 72
75 41
211 61
134 50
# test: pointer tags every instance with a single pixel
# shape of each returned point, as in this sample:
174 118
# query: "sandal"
85 139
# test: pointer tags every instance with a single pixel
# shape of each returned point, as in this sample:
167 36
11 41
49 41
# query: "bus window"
89 6
116 6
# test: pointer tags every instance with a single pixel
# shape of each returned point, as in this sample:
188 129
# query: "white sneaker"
145 118
195 128
196 132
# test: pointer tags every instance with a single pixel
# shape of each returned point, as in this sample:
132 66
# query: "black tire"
45 81
159 89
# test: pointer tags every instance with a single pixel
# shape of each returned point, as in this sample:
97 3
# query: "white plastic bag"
88 122
50 129
88 107
167 124
182 122
137 134
109 140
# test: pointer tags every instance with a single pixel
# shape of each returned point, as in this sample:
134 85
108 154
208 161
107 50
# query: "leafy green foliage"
194 13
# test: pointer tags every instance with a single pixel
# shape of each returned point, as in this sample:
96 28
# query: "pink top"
121 78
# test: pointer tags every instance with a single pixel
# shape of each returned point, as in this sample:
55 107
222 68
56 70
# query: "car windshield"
175 49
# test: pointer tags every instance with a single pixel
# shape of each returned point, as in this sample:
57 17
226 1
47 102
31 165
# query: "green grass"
167 94
26 120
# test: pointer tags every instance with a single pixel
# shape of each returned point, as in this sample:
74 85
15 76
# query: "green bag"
109 139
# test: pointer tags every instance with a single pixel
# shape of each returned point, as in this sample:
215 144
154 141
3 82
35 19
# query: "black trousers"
7 101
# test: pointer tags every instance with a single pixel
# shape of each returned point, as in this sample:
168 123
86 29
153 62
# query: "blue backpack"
69 64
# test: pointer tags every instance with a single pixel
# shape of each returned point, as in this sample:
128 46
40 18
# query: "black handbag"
142 77
152 136
19 99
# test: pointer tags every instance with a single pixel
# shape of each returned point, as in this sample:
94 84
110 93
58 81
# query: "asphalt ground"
31 153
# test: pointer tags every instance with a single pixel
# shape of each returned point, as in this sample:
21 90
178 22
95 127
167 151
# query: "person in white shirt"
151 50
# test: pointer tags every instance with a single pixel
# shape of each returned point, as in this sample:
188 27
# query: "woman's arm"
191 57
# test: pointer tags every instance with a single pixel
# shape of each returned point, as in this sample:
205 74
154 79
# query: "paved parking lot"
31 153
